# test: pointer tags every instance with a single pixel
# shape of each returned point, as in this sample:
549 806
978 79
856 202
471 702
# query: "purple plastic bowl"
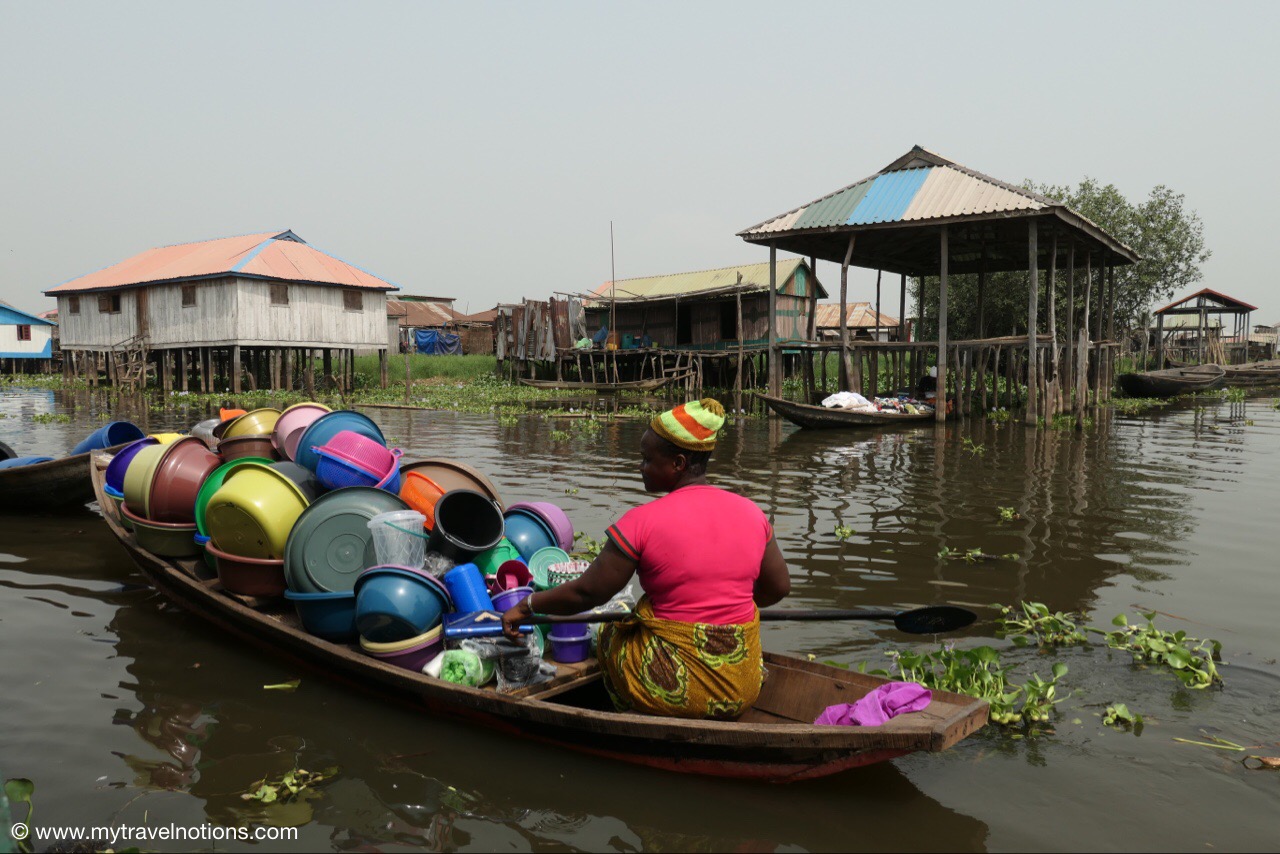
510 598
568 631
555 518
415 657
120 462
570 650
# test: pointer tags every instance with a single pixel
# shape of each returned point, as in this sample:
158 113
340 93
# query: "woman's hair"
697 459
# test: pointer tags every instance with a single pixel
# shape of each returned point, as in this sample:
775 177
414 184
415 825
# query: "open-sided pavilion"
924 215
1199 306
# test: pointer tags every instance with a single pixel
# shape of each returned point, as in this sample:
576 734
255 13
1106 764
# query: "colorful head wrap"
692 426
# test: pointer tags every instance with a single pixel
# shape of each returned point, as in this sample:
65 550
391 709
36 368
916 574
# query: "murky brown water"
122 708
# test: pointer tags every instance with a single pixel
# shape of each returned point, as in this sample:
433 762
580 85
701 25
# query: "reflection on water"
127 708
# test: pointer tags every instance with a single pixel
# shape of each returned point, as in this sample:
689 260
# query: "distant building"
258 303
26 341
862 320
703 310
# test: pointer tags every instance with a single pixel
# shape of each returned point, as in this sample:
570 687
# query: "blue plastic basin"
395 604
527 532
331 616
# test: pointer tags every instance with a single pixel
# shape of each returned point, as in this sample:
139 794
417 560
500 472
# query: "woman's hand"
514 616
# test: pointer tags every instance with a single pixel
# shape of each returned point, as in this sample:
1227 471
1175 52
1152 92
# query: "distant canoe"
821 417
1172 381
1253 374
632 385
58 485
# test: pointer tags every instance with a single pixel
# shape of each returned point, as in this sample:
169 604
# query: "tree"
1168 236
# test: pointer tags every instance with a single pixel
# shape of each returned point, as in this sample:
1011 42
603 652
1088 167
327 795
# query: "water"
123 709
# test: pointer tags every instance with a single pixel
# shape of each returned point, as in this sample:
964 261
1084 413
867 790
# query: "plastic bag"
437 564
517 664
464 667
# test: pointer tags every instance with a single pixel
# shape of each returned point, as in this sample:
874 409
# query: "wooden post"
1033 277
326 363
1082 372
982 293
775 363
940 410
737 381
1084 318
1111 302
1051 385
382 367
845 368
1200 334
1069 385
235 369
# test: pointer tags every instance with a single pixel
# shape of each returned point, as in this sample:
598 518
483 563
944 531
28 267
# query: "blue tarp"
435 343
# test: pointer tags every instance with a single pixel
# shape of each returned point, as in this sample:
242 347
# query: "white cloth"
845 400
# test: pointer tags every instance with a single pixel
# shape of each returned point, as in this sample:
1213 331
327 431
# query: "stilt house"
254 309
709 309
26 341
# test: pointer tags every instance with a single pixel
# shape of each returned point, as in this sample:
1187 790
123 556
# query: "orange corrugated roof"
270 255
860 314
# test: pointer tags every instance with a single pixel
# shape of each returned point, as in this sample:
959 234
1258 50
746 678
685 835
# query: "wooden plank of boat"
62 484
821 417
1172 382
774 741
631 385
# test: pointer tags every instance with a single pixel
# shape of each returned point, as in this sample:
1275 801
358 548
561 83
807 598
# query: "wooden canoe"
820 417
774 742
1172 382
1253 374
630 385
58 485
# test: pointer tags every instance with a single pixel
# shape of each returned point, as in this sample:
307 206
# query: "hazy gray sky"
479 150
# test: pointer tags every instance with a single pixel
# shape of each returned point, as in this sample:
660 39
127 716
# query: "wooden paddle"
919 621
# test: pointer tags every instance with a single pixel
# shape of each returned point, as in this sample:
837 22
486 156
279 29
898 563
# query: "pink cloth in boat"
885 702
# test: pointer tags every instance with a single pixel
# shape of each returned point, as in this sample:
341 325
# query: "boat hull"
632 385
56 486
1172 382
821 418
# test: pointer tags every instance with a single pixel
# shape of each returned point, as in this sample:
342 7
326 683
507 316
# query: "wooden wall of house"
658 318
92 329
211 321
315 316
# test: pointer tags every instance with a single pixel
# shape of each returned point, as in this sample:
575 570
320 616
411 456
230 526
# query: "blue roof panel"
889 197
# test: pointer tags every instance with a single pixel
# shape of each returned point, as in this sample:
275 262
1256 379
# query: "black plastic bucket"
467 523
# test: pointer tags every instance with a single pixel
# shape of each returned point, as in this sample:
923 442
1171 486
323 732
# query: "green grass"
424 367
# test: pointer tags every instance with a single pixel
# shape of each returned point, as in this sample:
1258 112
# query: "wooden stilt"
940 413
1033 278
235 369
846 369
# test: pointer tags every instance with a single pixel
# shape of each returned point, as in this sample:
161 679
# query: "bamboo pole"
940 410
1033 277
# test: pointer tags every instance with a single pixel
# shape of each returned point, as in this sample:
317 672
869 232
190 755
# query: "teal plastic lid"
331 544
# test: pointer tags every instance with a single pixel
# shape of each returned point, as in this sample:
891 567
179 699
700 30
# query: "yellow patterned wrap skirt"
682 670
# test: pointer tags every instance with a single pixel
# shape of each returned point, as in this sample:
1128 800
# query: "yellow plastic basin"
259 422
138 477
253 512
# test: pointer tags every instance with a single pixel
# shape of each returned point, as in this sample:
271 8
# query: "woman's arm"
774 582
608 573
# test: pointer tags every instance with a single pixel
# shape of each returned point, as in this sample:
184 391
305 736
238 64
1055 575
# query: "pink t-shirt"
698 551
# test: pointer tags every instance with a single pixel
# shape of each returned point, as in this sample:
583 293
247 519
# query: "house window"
188 296
109 304
279 294
24 332
73 305
353 300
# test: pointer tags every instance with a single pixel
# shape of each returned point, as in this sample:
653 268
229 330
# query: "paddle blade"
933 621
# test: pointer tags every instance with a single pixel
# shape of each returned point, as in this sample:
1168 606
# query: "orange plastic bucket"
421 493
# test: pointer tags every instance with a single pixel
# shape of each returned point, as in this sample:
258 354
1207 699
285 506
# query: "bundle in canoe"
630 385
44 487
1172 381
821 417
775 741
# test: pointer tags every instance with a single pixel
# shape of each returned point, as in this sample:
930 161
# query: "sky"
481 150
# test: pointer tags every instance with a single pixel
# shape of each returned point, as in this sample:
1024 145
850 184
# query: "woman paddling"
707 560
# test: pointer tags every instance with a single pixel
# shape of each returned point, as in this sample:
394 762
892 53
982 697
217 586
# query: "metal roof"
16 316
861 316
922 188
1224 303
279 255
417 313
755 277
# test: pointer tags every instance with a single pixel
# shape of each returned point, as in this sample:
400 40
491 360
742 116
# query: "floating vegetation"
51 418
1233 394
973 555
1134 405
19 791
980 673
298 784
1038 624
1191 659
1118 716
1214 742
843 533
586 547
973 448
999 416
559 435
1008 514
